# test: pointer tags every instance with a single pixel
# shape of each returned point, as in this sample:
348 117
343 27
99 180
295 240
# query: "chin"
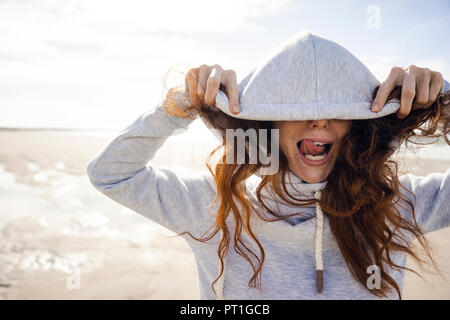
311 176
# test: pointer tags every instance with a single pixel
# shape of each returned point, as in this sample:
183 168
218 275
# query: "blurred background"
74 73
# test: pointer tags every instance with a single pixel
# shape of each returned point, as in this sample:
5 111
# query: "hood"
307 77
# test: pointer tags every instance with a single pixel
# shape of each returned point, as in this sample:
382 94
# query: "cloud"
437 22
73 46
382 65
29 27
91 56
435 64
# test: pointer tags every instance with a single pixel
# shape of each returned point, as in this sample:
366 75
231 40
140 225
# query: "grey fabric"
308 77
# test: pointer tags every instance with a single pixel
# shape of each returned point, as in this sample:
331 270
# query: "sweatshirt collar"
296 186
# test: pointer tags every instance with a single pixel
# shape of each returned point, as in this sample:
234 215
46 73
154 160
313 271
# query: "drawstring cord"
319 233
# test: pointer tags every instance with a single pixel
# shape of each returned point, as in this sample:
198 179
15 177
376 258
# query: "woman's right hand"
203 85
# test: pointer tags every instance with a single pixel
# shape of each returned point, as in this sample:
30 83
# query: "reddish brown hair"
360 199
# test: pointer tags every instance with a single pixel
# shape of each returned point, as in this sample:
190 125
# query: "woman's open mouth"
314 152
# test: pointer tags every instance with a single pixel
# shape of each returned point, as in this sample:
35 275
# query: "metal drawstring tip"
319 280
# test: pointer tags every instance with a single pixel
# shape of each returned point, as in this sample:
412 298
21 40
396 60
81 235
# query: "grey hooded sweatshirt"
294 248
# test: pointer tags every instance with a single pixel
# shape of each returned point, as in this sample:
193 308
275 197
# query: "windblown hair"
361 196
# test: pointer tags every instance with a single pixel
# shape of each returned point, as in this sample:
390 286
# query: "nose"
319 123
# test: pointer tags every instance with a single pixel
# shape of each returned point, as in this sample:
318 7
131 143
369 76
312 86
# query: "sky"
100 63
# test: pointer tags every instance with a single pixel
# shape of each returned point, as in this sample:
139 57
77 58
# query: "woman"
335 221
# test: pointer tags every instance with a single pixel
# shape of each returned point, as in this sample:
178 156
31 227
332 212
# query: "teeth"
311 157
319 143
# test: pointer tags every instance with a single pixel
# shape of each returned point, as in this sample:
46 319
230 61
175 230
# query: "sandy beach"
62 239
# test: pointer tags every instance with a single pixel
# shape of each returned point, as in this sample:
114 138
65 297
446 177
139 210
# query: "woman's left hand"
422 84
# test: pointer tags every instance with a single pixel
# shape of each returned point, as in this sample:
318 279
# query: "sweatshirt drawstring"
319 232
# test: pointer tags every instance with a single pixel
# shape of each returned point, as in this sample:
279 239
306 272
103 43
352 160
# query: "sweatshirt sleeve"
120 171
432 203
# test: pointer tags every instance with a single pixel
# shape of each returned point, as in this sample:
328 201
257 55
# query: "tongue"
308 147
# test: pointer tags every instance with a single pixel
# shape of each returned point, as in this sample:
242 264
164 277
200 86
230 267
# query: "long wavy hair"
360 199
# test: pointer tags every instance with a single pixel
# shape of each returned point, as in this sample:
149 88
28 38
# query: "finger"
231 86
436 85
191 83
386 88
408 94
212 85
202 78
422 89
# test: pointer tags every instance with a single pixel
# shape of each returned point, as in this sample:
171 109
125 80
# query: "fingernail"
235 108
375 107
